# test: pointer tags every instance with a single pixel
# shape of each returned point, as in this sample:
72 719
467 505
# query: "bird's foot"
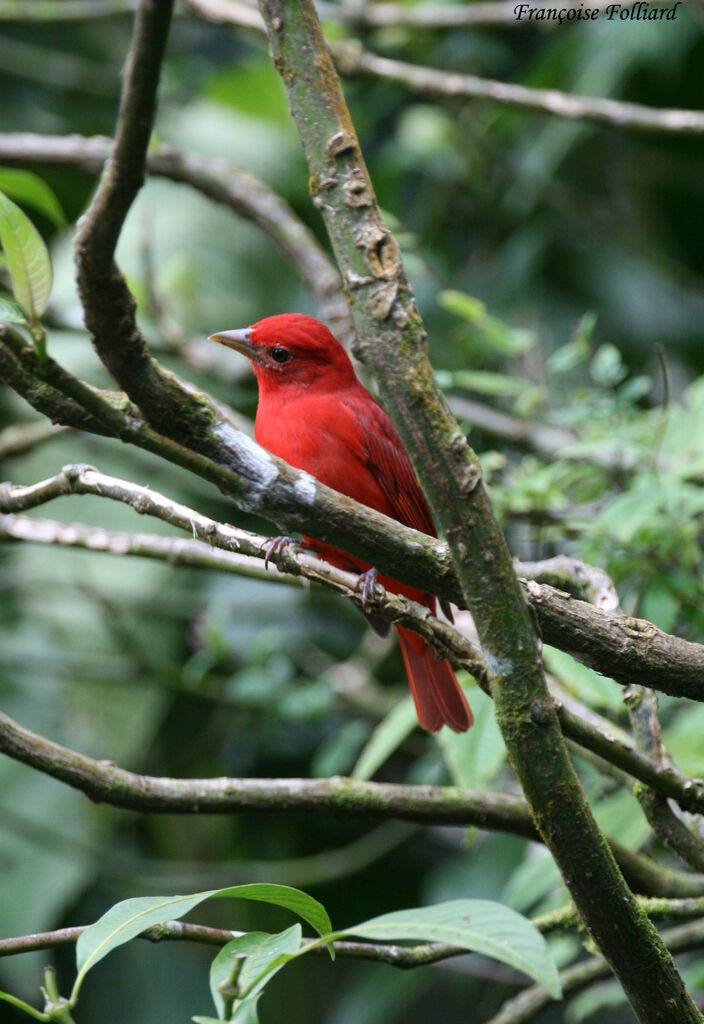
366 585
275 546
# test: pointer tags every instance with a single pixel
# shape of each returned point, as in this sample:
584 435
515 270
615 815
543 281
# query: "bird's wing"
386 459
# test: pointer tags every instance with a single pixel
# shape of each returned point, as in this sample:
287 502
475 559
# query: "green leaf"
12 313
28 260
478 925
584 683
484 382
490 335
475 758
129 918
28 188
264 955
575 351
632 511
388 735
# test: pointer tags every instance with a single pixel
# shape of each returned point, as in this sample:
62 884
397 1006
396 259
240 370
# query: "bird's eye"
280 355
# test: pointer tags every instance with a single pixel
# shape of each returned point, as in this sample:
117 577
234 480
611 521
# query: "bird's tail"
437 695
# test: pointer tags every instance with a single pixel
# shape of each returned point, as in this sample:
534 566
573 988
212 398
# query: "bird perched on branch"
314 413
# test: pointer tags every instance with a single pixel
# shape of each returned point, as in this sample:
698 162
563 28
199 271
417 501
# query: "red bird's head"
291 350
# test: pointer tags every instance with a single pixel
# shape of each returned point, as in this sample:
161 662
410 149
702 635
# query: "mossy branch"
392 343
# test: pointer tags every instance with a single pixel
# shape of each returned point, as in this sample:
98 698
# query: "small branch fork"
214 546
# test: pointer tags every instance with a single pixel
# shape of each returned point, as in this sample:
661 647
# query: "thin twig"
23 438
617 646
590 582
196 554
63 10
105 782
352 60
226 548
223 183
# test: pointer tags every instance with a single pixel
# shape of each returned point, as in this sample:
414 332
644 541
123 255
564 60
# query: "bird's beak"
239 340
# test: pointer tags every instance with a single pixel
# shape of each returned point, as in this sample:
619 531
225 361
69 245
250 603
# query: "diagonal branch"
528 1004
618 646
353 60
226 548
393 344
220 181
105 782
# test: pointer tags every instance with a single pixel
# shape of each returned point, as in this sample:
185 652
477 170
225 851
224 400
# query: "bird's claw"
366 585
275 546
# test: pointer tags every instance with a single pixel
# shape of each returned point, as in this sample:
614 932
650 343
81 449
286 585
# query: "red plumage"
315 414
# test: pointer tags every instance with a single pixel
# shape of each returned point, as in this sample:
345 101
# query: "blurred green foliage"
559 270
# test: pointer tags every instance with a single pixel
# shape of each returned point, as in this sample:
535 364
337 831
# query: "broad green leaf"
620 815
27 257
28 188
264 955
12 313
481 926
127 919
313 912
475 758
595 690
388 735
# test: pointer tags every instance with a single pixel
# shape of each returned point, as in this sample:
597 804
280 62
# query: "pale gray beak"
239 341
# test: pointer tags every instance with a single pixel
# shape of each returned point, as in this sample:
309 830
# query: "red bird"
315 414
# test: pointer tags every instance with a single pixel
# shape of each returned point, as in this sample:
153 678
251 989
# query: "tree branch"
590 582
617 646
226 548
23 438
392 342
353 61
679 940
299 565
105 782
574 979
220 181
